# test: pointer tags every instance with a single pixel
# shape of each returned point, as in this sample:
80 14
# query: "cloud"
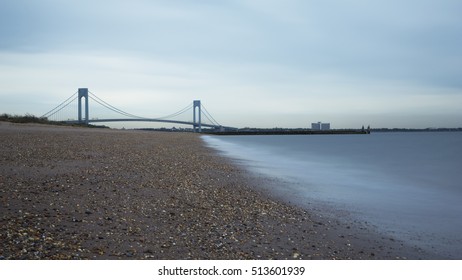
297 59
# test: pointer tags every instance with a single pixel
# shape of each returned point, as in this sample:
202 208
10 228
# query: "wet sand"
79 193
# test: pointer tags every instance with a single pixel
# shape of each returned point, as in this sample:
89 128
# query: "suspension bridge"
72 110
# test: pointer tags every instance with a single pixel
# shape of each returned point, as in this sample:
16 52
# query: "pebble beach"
91 193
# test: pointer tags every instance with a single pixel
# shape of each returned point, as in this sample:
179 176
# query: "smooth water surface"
408 185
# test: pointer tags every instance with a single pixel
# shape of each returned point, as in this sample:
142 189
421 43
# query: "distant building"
320 126
325 126
316 126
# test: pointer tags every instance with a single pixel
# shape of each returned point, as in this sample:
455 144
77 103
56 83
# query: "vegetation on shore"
29 118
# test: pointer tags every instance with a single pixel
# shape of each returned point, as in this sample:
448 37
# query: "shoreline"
76 193
337 226
287 132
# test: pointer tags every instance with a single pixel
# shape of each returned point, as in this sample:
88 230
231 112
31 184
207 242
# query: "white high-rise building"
320 126
325 126
316 126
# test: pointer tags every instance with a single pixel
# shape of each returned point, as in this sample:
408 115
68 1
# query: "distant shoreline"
288 132
31 119
459 129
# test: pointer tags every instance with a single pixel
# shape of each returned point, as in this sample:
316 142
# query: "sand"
81 193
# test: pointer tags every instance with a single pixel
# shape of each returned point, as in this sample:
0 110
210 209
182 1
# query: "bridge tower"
83 93
197 116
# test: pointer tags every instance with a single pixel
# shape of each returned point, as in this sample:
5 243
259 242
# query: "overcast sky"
255 63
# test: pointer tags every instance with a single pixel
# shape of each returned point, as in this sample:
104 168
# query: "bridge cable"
185 109
51 112
60 109
119 111
116 111
211 119
208 117
112 108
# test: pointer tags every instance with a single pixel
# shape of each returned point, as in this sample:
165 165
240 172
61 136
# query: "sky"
252 63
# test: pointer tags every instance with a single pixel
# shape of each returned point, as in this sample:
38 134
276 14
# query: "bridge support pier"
83 93
197 126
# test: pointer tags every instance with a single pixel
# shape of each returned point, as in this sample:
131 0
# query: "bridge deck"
151 120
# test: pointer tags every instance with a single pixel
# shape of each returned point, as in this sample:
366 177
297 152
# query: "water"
407 185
